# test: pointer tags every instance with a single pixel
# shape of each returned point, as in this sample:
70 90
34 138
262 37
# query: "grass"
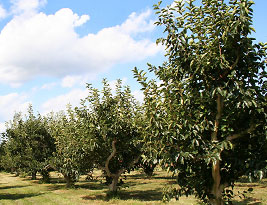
137 190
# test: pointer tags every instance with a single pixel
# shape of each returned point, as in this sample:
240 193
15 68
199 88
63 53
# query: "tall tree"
208 111
113 125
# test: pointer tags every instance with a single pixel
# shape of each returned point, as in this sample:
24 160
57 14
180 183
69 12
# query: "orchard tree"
11 160
207 107
39 144
29 145
113 125
71 157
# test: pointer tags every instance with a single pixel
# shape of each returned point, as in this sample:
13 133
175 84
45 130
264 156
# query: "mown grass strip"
138 190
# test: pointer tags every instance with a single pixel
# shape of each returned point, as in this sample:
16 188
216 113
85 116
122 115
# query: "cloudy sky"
49 49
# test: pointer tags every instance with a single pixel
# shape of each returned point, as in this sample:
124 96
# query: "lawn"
138 189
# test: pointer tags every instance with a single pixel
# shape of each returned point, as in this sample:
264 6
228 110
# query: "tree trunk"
46 176
34 175
217 188
113 186
69 180
149 169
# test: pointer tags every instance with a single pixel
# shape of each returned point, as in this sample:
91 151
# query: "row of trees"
205 120
104 132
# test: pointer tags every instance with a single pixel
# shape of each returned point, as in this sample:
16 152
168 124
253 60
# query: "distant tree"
29 145
113 126
71 157
11 158
207 112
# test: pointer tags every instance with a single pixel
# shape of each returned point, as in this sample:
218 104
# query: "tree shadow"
248 200
100 197
91 186
54 187
13 187
139 195
17 196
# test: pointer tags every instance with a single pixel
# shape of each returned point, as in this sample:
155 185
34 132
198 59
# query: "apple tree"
112 123
207 105
71 157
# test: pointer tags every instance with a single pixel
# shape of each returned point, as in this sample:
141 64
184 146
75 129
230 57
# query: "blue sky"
49 49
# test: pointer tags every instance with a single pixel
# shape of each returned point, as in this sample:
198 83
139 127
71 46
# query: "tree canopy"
113 123
207 107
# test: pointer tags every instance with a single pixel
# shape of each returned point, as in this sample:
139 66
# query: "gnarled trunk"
115 177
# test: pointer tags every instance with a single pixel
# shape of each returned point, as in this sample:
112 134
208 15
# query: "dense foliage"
208 112
113 123
28 146
72 156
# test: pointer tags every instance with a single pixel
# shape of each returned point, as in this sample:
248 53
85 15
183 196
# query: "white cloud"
26 6
137 23
139 96
12 103
2 128
70 81
59 103
48 86
3 12
47 45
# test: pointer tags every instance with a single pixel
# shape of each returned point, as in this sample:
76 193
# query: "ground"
138 189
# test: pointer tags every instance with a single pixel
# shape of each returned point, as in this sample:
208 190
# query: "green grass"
138 190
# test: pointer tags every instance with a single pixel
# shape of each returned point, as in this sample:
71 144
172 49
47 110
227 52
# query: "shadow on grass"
91 186
54 187
12 187
16 196
143 176
249 200
139 195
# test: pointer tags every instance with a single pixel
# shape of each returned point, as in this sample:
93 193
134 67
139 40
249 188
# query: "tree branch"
231 67
247 131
